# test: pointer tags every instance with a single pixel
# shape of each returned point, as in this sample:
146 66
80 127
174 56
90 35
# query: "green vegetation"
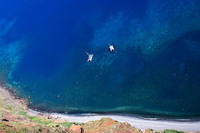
22 113
77 123
66 124
24 130
40 121
172 131
35 118
9 108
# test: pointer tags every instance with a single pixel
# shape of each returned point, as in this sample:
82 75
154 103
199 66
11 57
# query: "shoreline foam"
140 123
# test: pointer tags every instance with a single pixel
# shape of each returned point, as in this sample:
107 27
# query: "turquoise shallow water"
154 69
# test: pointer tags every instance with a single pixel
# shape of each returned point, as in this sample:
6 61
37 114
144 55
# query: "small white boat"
90 57
111 48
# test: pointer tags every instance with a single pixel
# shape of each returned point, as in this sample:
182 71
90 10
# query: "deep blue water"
154 69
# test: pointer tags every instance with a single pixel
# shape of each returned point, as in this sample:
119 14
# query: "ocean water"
154 69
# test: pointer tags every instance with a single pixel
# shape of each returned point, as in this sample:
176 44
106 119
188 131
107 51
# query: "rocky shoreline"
15 116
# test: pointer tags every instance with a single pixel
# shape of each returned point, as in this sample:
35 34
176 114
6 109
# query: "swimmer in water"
90 56
111 48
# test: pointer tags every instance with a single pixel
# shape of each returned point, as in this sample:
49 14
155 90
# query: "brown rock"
45 130
75 128
8 117
148 131
49 117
